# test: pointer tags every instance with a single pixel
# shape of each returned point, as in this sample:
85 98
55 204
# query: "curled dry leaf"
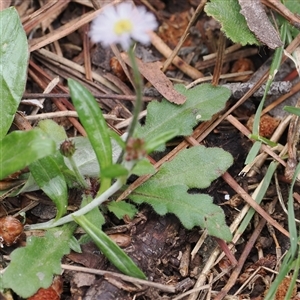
10 230
259 23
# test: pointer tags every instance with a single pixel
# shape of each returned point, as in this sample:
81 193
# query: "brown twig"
162 287
282 98
87 52
159 44
96 95
219 59
284 11
237 270
184 35
59 104
233 184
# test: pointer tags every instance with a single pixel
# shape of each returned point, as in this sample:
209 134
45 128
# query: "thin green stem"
77 173
138 89
69 218
273 70
84 210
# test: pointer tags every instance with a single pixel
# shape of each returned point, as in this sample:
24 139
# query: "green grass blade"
110 249
95 125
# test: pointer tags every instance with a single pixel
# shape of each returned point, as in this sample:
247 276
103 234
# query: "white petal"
125 41
124 10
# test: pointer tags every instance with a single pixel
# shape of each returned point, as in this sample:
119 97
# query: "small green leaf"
33 266
111 250
167 190
74 245
50 179
143 167
121 209
267 141
262 139
14 56
233 22
95 125
114 171
21 148
202 103
292 110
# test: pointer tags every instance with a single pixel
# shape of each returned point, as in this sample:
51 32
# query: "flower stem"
77 173
138 89
84 210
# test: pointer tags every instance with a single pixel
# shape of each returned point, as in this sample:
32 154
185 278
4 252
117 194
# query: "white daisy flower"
121 24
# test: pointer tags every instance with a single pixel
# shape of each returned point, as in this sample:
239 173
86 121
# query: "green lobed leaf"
95 125
21 148
110 249
167 190
195 167
121 209
51 180
202 103
192 210
232 21
33 266
14 56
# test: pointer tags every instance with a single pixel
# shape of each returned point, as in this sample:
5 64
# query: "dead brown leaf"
259 23
152 72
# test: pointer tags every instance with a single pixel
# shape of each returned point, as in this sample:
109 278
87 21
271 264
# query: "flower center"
123 26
